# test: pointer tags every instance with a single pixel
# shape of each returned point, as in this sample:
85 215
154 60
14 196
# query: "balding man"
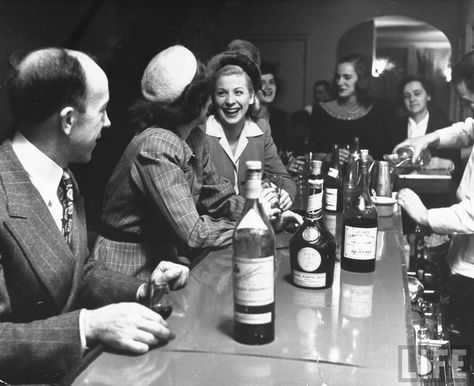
49 290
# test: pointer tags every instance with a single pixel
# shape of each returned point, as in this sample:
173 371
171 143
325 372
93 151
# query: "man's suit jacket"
259 148
43 281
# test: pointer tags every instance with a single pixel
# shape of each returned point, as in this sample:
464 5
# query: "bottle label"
360 243
311 280
331 199
252 220
334 173
309 259
253 318
315 202
253 281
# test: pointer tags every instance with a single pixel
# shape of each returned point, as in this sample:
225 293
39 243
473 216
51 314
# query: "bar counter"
355 333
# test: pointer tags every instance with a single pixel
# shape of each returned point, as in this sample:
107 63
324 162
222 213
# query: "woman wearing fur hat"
165 197
232 135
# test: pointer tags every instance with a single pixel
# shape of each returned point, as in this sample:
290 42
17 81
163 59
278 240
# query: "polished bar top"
349 334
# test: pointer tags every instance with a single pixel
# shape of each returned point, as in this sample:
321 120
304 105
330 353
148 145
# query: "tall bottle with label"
333 184
313 247
253 267
359 226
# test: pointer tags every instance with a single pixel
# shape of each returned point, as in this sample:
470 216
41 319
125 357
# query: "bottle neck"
314 215
364 177
253 186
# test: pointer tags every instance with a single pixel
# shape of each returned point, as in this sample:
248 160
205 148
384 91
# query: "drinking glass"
158 299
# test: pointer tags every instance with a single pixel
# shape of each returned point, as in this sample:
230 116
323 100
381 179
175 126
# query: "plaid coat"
164 197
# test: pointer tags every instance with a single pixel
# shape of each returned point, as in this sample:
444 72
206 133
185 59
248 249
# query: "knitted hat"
168 74
237 59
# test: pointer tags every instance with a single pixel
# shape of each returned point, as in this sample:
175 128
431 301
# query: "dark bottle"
333 184
253 267
359 226
313 247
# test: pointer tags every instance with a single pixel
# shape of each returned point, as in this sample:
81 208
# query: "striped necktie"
65 195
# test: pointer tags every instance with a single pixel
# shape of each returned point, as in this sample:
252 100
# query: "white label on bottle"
356 300
253 318
332 172
309 259
251 220
360 243
331 199
315 202
311 280
253 281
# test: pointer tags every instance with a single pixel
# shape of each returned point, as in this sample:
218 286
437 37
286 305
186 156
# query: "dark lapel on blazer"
36 232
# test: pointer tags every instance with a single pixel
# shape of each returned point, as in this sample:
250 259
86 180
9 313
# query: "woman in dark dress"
352 114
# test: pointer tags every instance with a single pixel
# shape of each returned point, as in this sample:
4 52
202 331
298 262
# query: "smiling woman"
233 136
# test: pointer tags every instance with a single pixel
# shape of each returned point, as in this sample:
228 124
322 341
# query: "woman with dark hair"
165 197
352 114
275 117
423 117
233 136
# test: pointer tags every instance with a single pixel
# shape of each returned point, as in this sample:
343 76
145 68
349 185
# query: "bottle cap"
253 165
364 154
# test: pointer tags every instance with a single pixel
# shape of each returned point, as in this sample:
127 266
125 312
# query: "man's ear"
67 118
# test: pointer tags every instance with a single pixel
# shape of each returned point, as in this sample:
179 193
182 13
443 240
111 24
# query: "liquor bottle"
253 267
359 226
404 155
315 176
333 184
313 247
351 175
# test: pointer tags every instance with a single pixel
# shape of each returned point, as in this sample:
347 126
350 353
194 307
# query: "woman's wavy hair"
183 110
362 69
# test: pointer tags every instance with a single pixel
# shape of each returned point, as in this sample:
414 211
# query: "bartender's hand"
129 327
343 156
418 144
167 272
411 202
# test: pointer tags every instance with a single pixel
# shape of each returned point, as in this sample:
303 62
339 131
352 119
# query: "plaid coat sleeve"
164 168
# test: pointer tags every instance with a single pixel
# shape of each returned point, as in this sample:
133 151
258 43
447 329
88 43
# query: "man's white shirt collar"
44 173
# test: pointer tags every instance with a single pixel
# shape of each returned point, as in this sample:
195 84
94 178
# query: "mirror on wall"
399 46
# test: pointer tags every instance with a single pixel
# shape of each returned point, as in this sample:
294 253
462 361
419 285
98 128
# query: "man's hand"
167 272
130 327
411 202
